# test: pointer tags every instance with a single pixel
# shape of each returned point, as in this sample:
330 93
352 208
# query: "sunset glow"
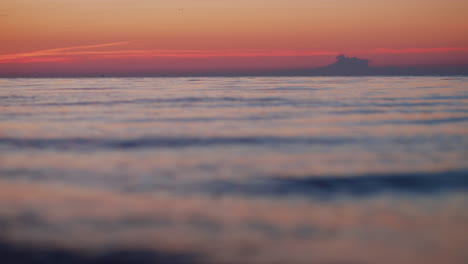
50 36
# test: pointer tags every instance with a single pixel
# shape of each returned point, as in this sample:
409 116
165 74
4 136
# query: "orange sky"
196 35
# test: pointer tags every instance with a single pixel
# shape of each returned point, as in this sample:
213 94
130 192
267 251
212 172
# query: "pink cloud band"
90 52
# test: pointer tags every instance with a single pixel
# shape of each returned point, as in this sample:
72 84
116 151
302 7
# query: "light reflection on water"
238 170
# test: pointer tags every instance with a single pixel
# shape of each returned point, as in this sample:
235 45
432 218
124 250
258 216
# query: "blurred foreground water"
234 170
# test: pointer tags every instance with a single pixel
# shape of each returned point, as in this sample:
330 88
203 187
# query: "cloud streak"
48 53
422 50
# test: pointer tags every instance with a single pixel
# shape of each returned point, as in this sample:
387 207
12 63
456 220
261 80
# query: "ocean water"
234 170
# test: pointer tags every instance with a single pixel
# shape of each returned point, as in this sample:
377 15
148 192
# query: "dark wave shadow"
358 186
11 253
168 142
188 100
438 121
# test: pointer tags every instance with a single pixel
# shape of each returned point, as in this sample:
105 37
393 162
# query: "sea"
329 170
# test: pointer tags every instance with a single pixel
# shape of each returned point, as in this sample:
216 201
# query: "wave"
357 186
182 142
271 186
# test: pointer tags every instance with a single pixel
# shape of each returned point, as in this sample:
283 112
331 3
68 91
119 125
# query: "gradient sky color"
131 36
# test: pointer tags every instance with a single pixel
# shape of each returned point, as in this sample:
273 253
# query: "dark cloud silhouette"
349 63
346 66
354 66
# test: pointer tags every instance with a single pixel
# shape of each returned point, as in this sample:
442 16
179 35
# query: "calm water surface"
237 170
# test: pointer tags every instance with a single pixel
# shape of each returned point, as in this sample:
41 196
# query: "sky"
189 36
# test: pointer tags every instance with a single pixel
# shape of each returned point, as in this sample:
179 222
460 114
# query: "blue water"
237 170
